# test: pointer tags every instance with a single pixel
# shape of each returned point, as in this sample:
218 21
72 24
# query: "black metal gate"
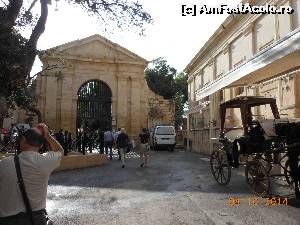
94 106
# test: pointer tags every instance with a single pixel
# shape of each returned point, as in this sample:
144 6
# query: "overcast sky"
173 36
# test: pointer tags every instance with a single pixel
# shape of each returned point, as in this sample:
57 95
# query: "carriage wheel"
288 177
257 177
220 167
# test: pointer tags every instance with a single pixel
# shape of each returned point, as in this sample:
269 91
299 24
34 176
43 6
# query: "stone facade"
67 67
160 111
238 42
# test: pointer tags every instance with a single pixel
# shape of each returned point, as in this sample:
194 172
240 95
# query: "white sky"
172 36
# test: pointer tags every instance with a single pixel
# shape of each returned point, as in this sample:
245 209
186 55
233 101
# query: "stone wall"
161 111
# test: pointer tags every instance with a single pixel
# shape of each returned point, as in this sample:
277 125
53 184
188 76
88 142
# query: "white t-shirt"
36 169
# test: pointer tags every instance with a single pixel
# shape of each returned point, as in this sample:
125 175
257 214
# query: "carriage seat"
232 133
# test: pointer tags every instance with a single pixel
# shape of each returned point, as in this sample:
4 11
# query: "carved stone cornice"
210 62
226 48
190 79
95 60
248 29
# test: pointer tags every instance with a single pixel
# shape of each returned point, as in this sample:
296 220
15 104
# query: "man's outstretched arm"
54 144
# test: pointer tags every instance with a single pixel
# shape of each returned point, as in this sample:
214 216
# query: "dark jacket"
122 140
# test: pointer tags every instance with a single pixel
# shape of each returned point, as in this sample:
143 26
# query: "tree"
165 81
181 84
160 78
181 97
17 53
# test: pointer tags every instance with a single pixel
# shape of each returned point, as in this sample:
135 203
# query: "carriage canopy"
245 103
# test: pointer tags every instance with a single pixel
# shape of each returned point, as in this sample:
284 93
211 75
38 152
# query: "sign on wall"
113 121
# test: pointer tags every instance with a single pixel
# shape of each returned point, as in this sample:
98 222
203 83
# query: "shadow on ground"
167 172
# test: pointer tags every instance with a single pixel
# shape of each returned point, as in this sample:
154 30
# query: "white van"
164 137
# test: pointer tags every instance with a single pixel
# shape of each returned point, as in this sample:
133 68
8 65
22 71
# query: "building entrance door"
94 106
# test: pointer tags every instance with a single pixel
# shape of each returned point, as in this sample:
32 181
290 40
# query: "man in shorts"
144 147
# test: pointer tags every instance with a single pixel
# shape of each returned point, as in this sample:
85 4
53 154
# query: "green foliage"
13 56
179 105
160 78
121 13
181 84
165 81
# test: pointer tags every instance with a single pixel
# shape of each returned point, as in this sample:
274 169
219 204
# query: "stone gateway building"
96 83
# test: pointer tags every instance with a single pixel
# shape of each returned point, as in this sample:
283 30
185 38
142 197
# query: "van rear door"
165 135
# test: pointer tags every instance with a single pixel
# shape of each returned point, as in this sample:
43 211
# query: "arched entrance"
94 106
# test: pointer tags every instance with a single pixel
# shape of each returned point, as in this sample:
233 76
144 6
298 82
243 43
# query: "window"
221 95
165 130
239 91
196 121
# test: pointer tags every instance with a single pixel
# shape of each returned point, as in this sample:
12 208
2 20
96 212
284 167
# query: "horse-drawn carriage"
260 145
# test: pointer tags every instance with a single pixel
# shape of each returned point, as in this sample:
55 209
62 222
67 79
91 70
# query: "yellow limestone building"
98 83
247 55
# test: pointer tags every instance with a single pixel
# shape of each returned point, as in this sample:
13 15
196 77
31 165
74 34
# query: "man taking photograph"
35 169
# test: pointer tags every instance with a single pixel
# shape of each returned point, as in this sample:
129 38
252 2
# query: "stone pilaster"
66 104
74 115
135 105
50 108
42 97
249 31
122 101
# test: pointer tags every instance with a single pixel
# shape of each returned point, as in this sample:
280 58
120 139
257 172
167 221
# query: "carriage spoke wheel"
288 176
257 177
220 167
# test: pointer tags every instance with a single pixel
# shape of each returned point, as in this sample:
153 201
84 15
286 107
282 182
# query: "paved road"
177 189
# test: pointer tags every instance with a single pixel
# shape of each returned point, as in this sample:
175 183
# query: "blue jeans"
108 145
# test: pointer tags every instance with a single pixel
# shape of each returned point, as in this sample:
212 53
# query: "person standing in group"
85 141
65 146
108 142
69 141
5 133
122 144
60 138
144 147
79 140
35 169
101 141
90 141
116 137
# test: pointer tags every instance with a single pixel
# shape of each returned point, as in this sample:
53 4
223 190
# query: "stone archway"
94 108
88 64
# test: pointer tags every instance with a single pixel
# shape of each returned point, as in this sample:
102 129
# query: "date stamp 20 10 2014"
233 201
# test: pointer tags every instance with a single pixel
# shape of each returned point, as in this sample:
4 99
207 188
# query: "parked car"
163 137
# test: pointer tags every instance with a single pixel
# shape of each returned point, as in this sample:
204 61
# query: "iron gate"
94 106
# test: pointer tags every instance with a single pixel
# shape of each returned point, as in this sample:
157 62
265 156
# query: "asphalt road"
176 189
